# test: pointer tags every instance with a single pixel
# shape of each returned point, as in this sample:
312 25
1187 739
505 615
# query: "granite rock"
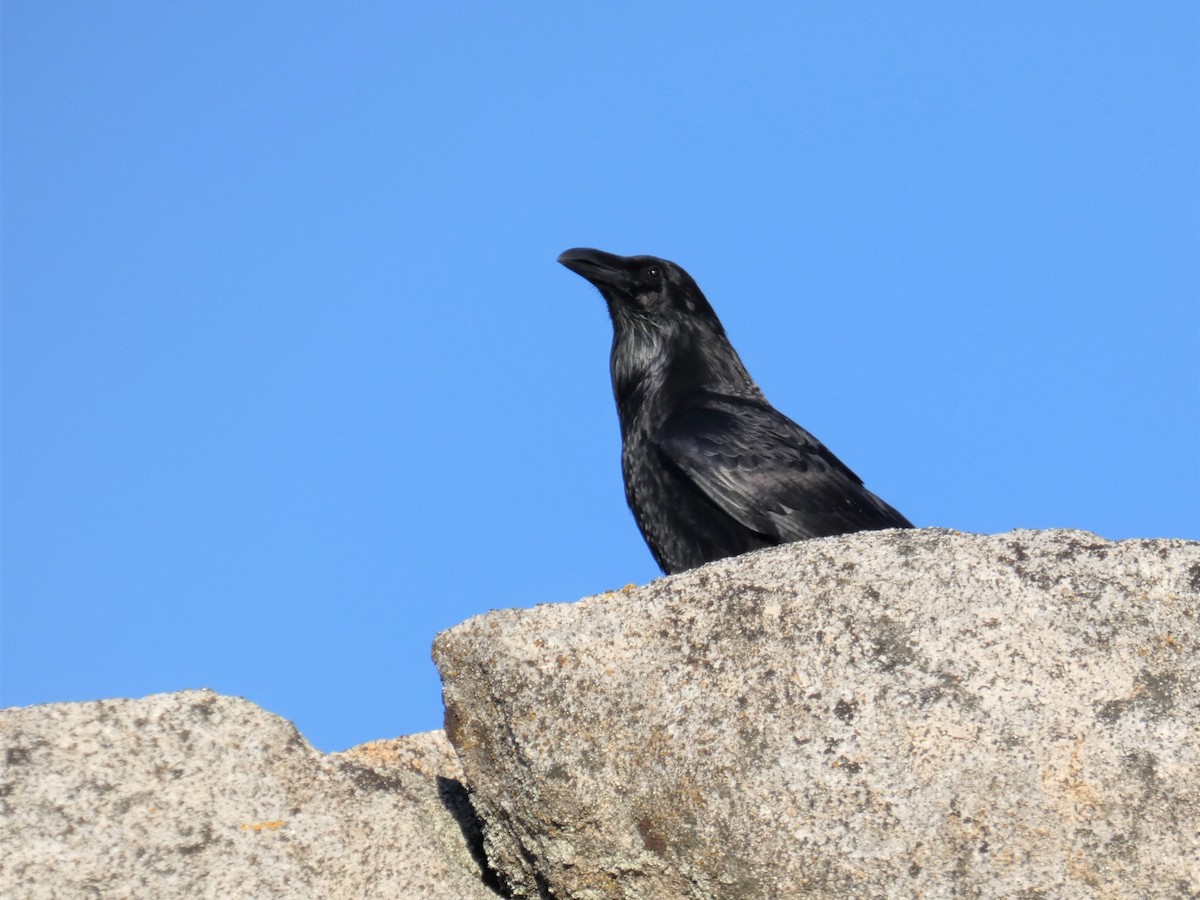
194 794
888 714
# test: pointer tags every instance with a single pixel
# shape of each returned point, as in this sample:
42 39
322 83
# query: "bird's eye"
652 271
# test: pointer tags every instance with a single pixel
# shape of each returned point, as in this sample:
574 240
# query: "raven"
711 468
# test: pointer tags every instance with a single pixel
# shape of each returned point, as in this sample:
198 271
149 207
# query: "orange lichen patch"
1062 779
428 754
263 826
1160 643
381 752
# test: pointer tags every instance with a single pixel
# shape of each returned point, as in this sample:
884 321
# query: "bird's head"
666 338
643 290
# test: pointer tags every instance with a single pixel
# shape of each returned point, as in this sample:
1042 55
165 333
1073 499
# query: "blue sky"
291 380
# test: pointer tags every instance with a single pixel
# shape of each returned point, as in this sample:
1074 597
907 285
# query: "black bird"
711 468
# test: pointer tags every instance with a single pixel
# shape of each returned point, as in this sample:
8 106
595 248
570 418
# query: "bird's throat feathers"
655 364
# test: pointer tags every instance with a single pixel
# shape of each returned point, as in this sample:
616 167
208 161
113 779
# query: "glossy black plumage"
711 469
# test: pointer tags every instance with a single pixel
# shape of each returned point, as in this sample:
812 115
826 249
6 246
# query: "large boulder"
199 795
890 714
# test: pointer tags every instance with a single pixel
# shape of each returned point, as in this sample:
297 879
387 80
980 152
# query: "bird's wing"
767 472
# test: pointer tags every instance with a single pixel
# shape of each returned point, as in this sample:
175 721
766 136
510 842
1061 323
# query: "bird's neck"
653 374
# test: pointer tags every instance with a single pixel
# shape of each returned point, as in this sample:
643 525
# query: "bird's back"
721 475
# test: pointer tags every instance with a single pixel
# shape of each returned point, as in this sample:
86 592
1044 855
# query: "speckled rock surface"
892 714
195 794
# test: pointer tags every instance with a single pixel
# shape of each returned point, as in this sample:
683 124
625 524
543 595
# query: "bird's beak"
604 270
